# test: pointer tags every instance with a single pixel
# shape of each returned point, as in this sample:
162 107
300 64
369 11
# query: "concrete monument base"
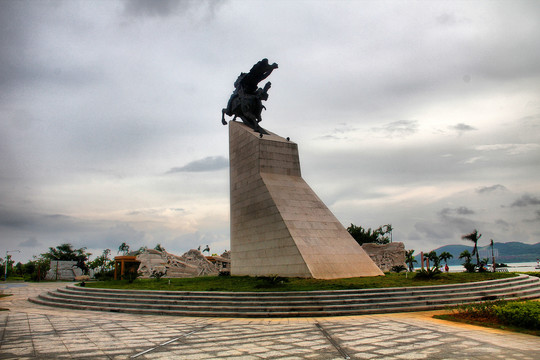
278 224
386 256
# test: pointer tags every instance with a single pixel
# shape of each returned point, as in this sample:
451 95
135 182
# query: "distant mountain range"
510 252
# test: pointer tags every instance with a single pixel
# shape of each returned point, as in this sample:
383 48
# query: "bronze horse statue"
246 100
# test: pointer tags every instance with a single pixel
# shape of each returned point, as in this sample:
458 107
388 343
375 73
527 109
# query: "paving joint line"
4 330
34 352
170 341
333 342
80 330
49 332
58 335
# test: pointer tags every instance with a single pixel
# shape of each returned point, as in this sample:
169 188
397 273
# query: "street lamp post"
7 258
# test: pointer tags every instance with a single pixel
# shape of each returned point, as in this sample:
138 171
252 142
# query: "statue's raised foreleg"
223 112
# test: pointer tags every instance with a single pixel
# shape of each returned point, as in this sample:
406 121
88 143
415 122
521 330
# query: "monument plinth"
278 224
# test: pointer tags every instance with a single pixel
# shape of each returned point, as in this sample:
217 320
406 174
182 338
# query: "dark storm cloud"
449 19
340 132
13 219
503 224
461 128
32 242
532 121
154 8
490 189
450 223
210 163
536 219
23 38
462 210
53 228
95 96
400 128
32 221
434 231
448 226
164 8
12 39
111 237
526 200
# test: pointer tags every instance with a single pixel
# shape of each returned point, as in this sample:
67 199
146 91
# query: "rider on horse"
246 100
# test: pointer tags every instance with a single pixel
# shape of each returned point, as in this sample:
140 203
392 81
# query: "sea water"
517 267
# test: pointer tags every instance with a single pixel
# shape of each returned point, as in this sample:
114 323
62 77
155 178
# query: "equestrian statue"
246 100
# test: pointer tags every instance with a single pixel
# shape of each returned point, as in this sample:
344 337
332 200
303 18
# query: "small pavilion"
124 264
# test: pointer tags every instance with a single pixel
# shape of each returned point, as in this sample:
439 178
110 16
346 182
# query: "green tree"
363 236
474 237
494 265
36 269
123 248
19 269
388 230
102 262
435 260
159 248
66 252
483 264
142 249
467 264
445 256
9 268
103 266
409 259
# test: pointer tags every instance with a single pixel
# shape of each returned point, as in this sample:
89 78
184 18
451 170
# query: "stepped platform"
289 304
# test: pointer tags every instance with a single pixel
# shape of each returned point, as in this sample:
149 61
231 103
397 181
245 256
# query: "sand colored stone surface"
31 331
191 264
386 256
278 224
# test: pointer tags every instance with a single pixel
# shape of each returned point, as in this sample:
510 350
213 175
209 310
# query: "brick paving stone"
29 331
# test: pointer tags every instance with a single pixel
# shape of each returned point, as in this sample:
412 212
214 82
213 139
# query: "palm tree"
435 261
474 237
123 248
388 229
445 256
409 259
492 256
466 256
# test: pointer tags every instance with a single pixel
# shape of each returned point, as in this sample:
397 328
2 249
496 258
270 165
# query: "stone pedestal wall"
278 224
191 264
63 270
386 256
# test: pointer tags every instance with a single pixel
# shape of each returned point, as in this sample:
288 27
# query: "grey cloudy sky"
422 114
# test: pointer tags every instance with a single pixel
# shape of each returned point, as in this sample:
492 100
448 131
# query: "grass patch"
532 273
518 316
247 283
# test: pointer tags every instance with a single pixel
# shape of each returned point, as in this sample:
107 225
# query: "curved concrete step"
324 300
290 304
346 295
316 293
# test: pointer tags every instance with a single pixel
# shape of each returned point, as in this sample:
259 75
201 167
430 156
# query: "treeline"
102 267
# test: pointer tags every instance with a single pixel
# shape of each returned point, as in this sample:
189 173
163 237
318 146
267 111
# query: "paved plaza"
30 331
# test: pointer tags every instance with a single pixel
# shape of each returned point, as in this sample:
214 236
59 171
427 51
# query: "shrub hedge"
523 314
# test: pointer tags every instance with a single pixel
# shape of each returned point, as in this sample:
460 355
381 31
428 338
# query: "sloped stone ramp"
289 304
